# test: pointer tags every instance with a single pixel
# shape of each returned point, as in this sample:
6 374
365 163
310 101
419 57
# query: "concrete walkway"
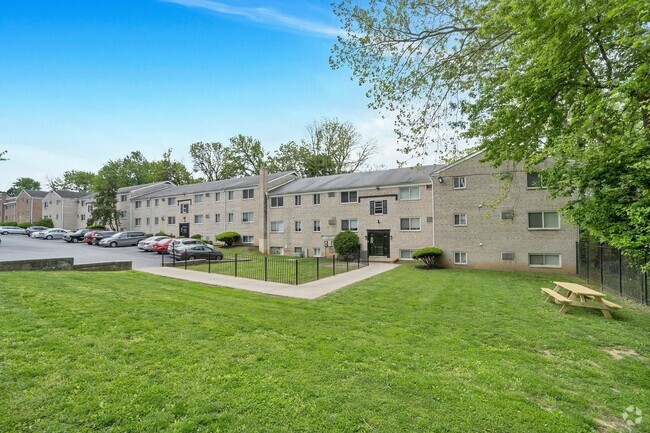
312 290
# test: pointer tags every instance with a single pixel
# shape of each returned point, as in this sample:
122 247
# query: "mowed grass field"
406 351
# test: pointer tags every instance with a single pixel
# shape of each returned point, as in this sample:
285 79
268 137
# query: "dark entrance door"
184 230
379 243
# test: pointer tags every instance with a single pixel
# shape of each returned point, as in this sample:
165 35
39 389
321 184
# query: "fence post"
235 265
173 255
333 265
296 272
578 258
347 265
266 268
318 268
209 262
588 264
359 257
186 263
162 260
620 272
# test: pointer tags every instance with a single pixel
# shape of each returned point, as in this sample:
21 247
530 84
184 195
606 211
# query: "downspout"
433 213
62 215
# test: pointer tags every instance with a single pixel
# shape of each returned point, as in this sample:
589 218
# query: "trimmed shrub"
24 225
346 244
228 238
161 233
45 223
148 235
96 226
197 236
427 255
10 224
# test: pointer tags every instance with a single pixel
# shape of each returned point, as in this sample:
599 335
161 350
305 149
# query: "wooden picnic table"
578 295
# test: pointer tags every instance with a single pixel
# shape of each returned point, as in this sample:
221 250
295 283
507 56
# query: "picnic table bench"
577 295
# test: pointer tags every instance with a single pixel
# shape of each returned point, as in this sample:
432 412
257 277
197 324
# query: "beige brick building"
62 208
26 207
389 209
476 228
8 210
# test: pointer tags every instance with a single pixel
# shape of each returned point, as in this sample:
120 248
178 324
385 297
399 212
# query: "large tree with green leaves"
168 169
23 183
244 157
208 158
73 180
524 81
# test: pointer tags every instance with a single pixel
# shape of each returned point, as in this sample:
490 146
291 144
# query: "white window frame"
231 195
217 196
247 239
137 222
459 182
138 204
171 220
378 207
348 198
317 252
410 224
460 258
530 184
544 265
198 198
406 193
460 220
198 219
171 201
352 223
184 207
297 200
316 226
217 218
277 226
410 254
279 201
231 217
543 213
247 217
316 199
297 226
248 194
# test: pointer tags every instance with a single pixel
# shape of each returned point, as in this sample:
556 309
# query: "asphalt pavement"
21 247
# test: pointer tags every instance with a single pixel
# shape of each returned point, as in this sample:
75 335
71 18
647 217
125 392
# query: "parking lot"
21 247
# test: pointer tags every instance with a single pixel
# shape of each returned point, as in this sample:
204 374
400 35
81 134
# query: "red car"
161 246
88 237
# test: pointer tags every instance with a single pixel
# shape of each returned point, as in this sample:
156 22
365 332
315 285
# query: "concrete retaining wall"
63 264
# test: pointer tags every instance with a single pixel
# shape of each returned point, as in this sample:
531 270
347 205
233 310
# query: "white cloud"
264 15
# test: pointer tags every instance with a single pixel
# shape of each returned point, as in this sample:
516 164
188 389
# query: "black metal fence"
279 269
608 267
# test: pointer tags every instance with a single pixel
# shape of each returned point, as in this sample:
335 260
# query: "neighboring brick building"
7 207
62 208
27 207
522 231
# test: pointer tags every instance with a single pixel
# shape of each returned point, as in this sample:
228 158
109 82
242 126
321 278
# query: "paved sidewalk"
312 290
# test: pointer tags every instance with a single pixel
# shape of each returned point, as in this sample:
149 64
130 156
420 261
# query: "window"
217 218
171 201
297 200
83 217
379 207
460 219
460 258
277 226
198 219
148 221
317 226
45 205
409 224
349 197
155 220
317 252
123 197
406 254
297 225
231 217
123 214
247 239
459 182
148 203
138 204
533 181
316 198
248 194
409 193
231 195
247 217
351 225
171 220
548 260
543 221
277 201
185 208
217 196
155 202
198 198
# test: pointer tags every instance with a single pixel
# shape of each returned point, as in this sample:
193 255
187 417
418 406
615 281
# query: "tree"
289 156
228 238
2 155
23 183
208 158
346 244
244 157
427 255
173 171
73 180
525 81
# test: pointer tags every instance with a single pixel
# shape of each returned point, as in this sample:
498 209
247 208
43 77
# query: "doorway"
379 243
184 230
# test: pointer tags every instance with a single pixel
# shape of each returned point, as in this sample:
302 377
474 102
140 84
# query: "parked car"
147 244
197 251
76 236
88 237
38 234
54 234
32 229
161 246
101 235
176 243
123 239
11 230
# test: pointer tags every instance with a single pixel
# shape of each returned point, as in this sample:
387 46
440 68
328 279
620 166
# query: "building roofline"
460 161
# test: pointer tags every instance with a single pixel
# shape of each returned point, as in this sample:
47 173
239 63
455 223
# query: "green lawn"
407 351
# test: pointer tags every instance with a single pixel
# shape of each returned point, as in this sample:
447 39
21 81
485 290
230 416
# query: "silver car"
11 230
123 239
147 244
54 234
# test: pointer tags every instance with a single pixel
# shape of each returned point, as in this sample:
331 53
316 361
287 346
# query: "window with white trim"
185 207
247 239
217 196
317 252
217 218
543 221
149 203
171 220
460 219
378 207
409 193
277 226
156 202
297 200
277 201
122 198
459 182
148 221
316 199
138 204
460 258
409 224
406 254
198 219
171 201
138 221
545 260
231 195
349 197
247 217
248 194
534 181
198 198
156 220
351 225
297 226
231 217
317 226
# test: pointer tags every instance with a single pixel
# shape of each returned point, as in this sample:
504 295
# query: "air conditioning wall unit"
507 256
429 219
507 214
332 221
331 194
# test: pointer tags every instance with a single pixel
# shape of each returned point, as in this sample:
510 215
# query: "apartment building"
389 209
208 208
499 219
26 207
127 198
8 209
62 208
85 205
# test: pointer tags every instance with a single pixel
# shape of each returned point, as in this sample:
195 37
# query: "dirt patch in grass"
620 352
609 425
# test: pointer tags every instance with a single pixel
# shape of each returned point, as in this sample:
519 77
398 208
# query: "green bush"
96 226
10 224
45 223
346 244
148 235
228 238
24 225
161 233
197 236
427 255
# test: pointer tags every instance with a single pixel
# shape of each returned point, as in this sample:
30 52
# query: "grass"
407 351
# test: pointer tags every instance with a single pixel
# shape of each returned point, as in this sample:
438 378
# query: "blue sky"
82 82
